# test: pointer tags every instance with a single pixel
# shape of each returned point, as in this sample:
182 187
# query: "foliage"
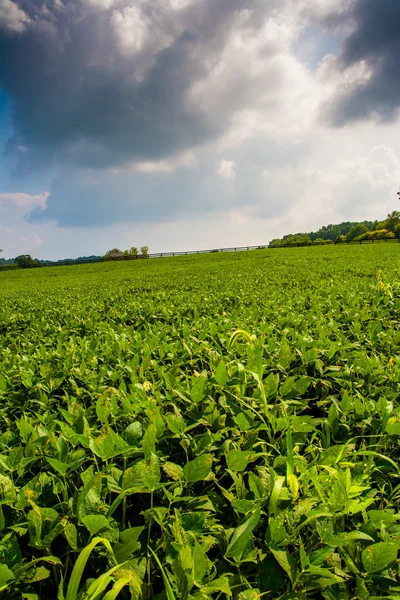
114 253
332 232
131 253
356 231
25 261
216 426
346 231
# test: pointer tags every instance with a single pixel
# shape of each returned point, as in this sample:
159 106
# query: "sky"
193 124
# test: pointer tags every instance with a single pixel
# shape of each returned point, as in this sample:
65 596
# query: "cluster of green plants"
132 252
214 426
347 231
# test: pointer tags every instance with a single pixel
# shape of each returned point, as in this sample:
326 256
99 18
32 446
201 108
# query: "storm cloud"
99 83
369 63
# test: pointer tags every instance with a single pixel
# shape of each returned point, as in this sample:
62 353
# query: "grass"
211 426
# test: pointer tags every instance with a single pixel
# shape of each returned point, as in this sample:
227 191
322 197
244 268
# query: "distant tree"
114 253
356 231
133 251
390 223
25 261
297 238
144 251
340 239
384 233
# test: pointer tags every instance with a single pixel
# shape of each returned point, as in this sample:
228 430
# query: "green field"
148 450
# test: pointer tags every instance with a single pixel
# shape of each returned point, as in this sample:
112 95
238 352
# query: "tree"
114 253
356 231
390 223
133 251
25 261
297 238
144 251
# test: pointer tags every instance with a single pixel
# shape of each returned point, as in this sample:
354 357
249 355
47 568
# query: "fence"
332 243
82 261
157 255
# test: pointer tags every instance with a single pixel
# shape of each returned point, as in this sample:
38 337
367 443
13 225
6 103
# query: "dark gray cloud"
101 84
375 42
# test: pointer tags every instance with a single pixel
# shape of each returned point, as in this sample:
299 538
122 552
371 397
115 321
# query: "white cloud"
186 159
103 4
24 200
227 169
12 17
131 28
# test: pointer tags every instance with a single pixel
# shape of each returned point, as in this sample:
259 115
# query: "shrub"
114 253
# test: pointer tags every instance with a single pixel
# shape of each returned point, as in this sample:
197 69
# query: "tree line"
133 252
25 261
348 231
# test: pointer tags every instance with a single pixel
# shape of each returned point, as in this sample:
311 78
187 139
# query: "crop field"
220 426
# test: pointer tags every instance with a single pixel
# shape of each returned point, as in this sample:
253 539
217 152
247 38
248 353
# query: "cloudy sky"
189 124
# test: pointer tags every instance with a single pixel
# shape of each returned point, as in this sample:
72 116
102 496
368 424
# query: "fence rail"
155 255
64 263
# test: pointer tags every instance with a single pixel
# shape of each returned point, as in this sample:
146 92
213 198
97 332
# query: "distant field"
136 430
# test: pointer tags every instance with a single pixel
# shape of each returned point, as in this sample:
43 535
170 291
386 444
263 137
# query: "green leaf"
168 589
198 469
71 535
221 374
238 460
173 471
133 433
377 517
128 543
242 536
151 472
347 538
199 563
380 556
57 465
197 389
77 571
249 595
287 562
217 585
149 441
96 523
6 576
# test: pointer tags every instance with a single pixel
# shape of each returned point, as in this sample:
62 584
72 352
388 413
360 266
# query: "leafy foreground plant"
223 426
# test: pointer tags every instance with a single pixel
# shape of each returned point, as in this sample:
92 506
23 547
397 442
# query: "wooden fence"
63 263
